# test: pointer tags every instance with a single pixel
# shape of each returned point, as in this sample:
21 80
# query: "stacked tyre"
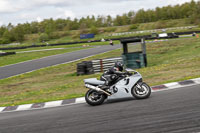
85 67
80 68
89 68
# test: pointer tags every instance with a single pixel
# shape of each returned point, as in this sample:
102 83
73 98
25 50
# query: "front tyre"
141 90
94 98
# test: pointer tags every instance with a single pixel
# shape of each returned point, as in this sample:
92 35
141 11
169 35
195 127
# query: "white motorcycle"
129 84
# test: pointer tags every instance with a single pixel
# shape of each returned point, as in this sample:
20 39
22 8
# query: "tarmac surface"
28 66
168 111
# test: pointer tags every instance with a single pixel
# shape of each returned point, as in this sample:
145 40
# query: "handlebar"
127 74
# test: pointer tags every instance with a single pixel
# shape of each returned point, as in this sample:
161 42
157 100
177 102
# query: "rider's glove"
129 74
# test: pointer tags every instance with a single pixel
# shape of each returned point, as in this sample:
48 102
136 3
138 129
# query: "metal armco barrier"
101 65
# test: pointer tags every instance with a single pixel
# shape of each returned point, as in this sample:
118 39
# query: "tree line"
11 33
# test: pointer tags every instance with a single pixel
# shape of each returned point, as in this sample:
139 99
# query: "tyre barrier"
185 33
7 53
95 66
85 67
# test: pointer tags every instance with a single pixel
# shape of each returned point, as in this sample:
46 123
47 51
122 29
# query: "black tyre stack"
89 67
85 67
80 68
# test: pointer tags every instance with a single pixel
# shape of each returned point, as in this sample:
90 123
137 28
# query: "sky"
22 11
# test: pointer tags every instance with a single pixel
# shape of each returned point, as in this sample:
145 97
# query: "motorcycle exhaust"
97 89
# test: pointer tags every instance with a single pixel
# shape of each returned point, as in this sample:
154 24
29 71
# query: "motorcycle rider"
112 74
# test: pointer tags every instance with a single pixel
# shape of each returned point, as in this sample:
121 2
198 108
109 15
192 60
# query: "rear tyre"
94 98
141 90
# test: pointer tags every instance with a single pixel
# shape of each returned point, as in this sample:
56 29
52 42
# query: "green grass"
170 61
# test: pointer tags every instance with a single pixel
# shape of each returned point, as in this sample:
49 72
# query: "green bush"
54 35
160 24
43 37
76 36
6 41
66 33
1 41
110 29
94 30
133 26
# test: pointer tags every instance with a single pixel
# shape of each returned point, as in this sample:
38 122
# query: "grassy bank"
174 60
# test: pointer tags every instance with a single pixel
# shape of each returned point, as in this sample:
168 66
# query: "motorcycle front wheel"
141 90
94 98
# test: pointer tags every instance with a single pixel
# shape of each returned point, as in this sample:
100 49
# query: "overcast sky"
21 11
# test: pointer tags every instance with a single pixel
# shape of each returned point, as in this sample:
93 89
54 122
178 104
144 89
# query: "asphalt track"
169 111
19 68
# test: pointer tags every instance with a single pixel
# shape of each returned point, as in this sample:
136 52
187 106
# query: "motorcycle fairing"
124 87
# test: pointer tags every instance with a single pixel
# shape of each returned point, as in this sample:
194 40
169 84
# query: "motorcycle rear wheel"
141 90
94 98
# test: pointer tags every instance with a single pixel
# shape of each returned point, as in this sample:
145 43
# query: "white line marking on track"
39 50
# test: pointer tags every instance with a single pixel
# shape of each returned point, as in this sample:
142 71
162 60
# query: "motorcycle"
130 84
